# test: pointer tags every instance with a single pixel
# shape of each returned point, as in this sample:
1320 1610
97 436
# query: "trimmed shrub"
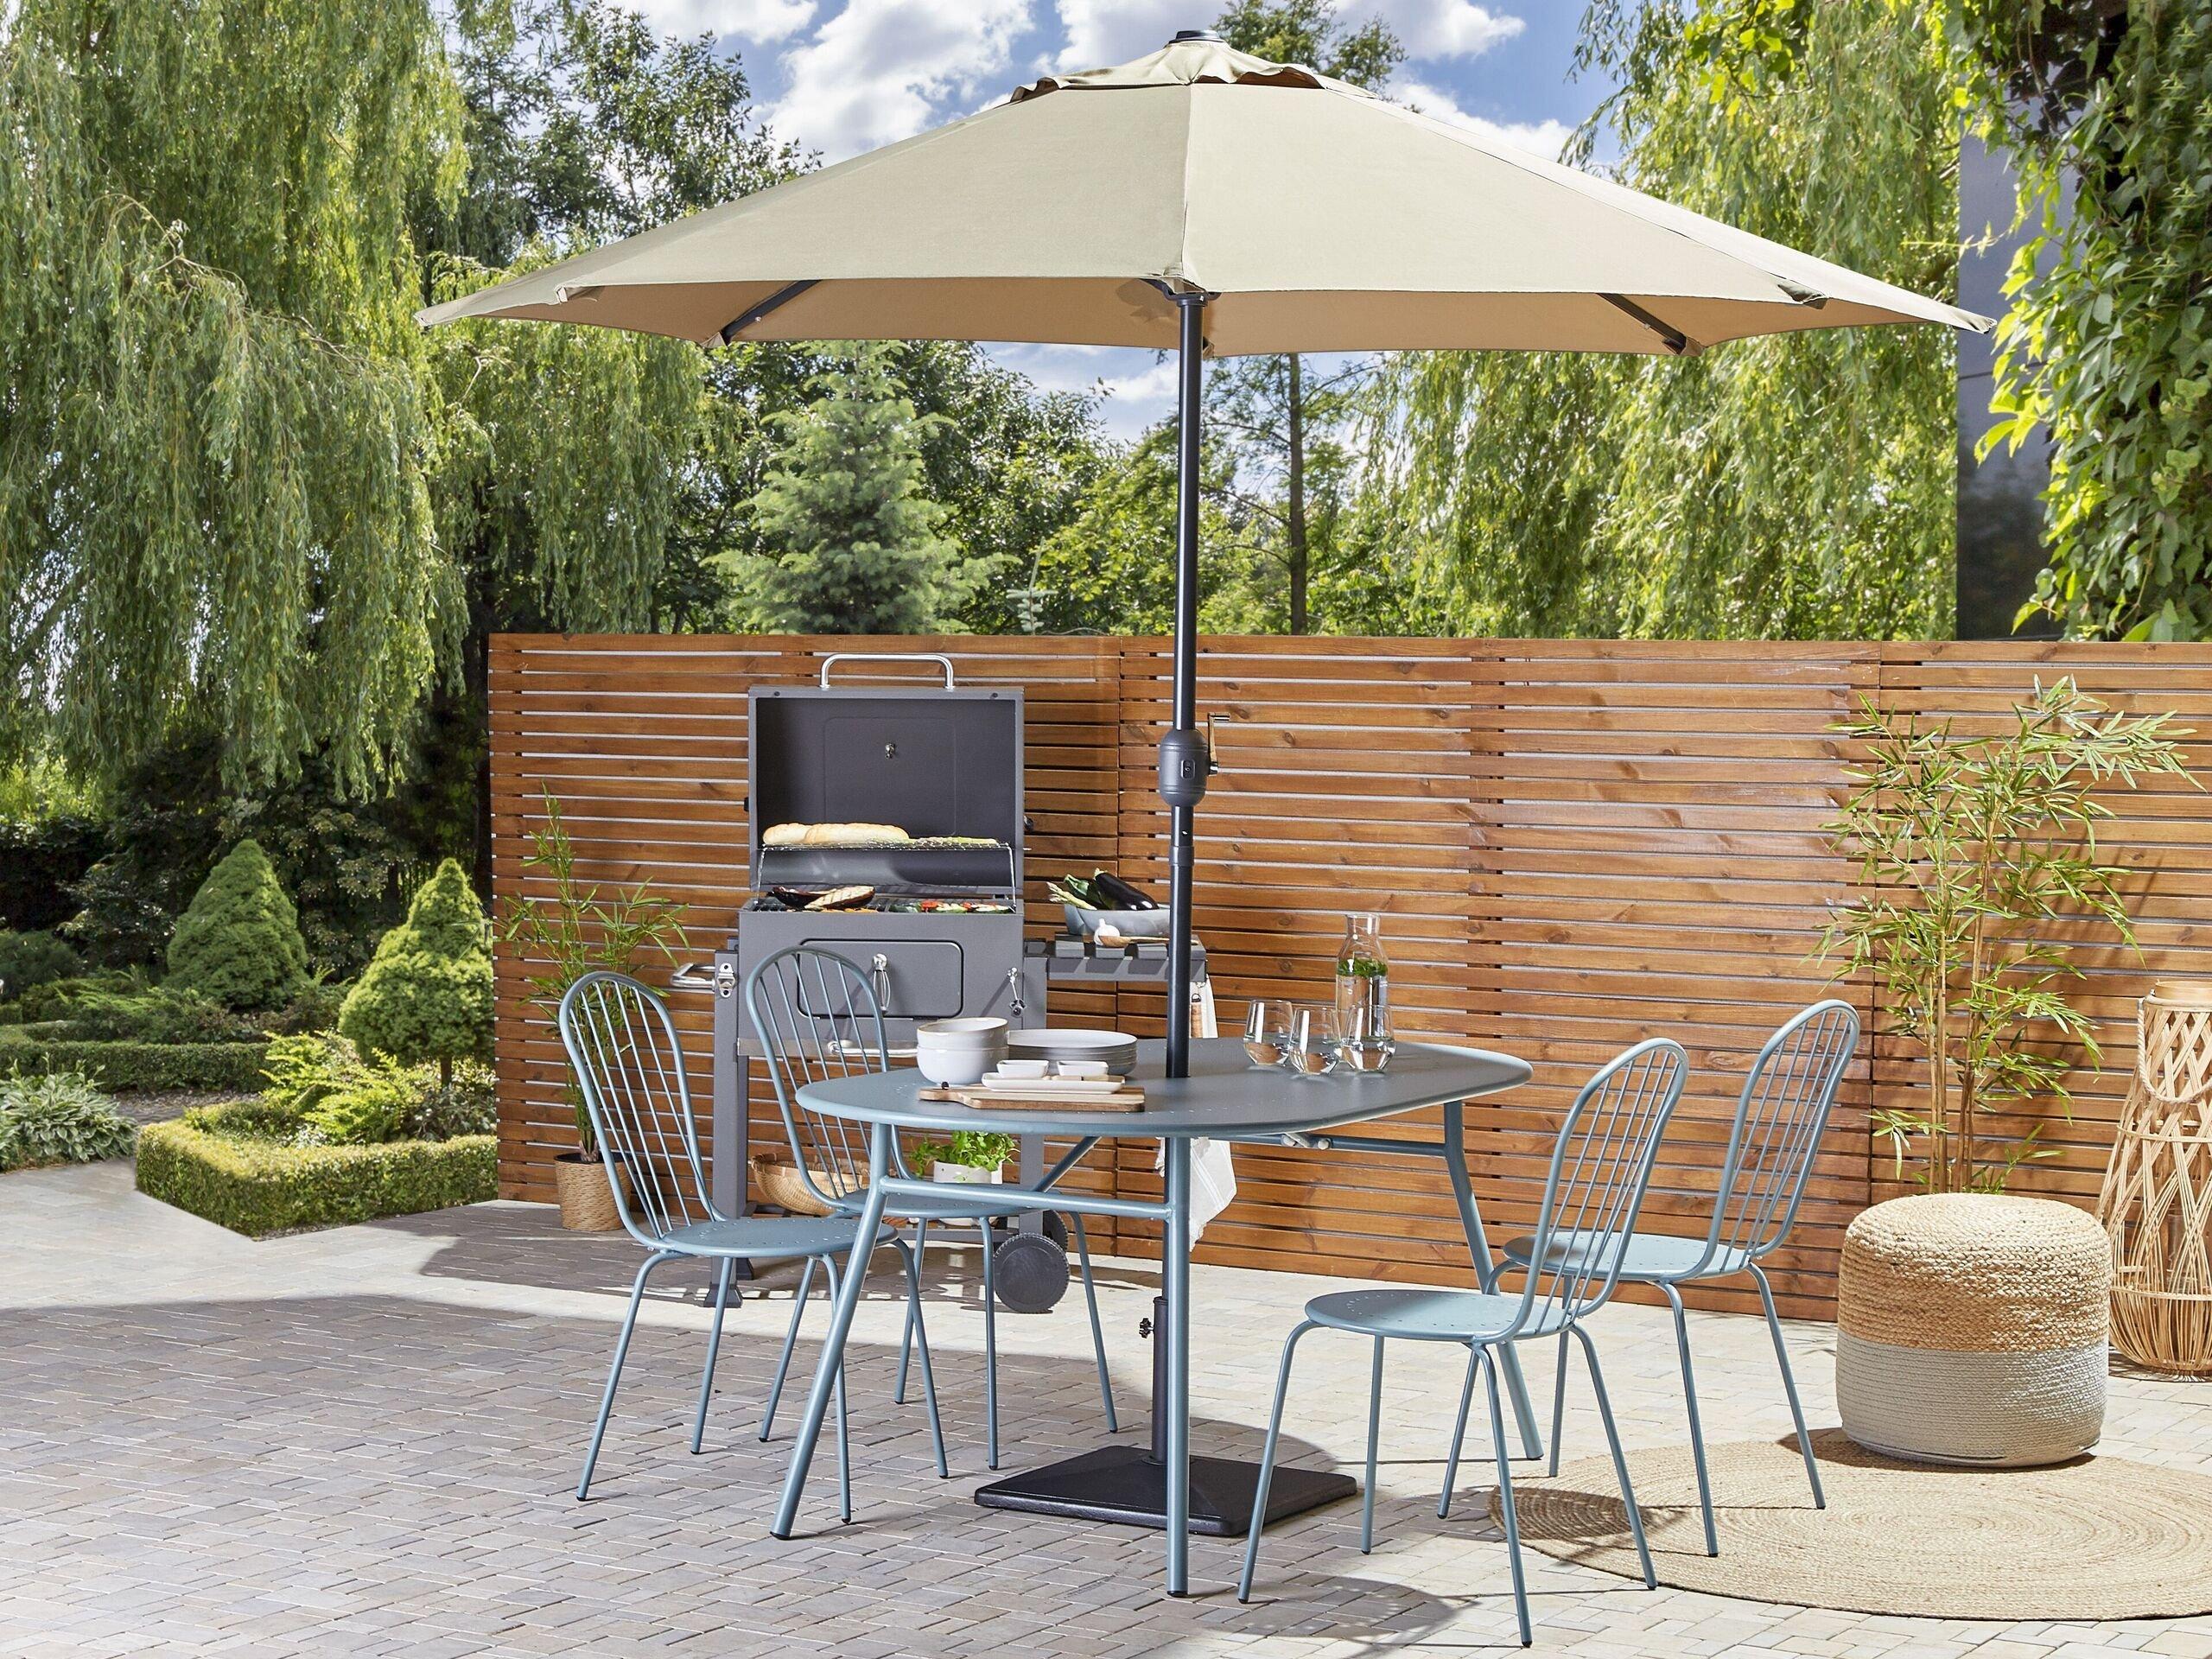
54 1000
215 1163
30 960
59 1119
426 995
164 1015
238 942
122 1067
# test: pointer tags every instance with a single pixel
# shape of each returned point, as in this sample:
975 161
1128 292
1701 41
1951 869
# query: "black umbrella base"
1122 1485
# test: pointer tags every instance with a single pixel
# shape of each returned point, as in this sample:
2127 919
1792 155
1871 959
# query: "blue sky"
843 76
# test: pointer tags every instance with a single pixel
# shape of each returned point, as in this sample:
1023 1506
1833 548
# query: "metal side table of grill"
1223 1097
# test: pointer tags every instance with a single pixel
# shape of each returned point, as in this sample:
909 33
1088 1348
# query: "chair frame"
856 1042
629 1077
1791 1092
1603 1159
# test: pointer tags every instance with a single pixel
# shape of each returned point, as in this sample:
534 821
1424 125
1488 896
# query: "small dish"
1024 1069
1071 1068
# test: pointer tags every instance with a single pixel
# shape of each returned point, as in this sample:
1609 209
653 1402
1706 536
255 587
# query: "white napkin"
1213 1172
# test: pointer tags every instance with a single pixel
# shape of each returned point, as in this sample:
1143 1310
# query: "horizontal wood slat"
1575 844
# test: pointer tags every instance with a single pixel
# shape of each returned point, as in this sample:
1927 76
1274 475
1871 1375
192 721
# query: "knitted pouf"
1972 1328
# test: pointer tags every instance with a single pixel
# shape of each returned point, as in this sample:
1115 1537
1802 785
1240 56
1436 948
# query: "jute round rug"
2096 1538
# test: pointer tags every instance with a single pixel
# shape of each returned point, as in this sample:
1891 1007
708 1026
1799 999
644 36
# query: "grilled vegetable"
843 899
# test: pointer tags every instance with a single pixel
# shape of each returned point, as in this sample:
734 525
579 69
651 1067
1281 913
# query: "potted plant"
575 933
1968 846
972 1157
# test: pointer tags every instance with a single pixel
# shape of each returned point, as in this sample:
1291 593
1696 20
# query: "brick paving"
364 1442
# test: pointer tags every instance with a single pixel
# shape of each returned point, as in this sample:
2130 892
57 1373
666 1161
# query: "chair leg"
1267 1463
1559 1404
713 1347
1097 1331
913 1261
1459 1434
1790 1386
990 1352
791 1341
1505 1504
1620 1462
1697 1429
906 1338
615 1373
1373 1441
844 1427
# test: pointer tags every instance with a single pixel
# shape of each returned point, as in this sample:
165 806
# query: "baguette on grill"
832 835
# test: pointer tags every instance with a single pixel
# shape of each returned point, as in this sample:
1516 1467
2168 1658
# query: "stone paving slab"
364 1441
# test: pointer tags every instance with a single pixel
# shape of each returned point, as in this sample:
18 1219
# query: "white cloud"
753 19
1544 138
1103 33
1442 29
880 70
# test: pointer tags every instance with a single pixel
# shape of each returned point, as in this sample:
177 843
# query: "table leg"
1486 1271
833 1343
1176 1272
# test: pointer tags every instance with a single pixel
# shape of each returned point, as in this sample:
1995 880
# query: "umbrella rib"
1673 338
783 296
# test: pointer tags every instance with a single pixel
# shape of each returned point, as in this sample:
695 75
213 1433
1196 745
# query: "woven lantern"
2157 1202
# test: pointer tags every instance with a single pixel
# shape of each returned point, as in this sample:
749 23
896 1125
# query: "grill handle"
938 657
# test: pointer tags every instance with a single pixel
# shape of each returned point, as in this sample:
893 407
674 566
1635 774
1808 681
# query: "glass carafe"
1363 993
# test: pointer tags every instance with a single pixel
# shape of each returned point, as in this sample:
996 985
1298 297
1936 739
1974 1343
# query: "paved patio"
364 1441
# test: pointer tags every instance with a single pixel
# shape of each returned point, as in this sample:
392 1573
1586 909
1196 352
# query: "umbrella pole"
1184 759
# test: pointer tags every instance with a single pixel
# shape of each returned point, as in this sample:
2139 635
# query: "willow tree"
212 493
1801 487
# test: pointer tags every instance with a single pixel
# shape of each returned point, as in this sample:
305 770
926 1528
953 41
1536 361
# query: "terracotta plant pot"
587 1200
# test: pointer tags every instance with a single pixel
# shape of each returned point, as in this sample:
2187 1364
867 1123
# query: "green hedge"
121 1066
259 1187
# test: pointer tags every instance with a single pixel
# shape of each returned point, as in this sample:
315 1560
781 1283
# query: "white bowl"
983 1031
955 1068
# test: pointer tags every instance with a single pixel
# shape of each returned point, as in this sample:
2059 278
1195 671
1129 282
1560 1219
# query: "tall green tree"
847 540
1801 487
212 501
1285 417
2107 347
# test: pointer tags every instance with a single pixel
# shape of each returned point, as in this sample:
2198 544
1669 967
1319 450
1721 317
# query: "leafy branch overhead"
1975 850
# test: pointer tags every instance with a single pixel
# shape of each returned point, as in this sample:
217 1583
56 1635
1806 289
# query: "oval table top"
1225 1096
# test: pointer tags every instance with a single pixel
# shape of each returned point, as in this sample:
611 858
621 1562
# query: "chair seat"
767 1235
1424 1315
1651 1258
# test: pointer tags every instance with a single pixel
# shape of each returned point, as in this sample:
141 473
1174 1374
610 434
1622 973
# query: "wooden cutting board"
1127 1098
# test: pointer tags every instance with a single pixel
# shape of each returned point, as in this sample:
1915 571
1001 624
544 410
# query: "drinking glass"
1312 1048
1266 1031
1363 1040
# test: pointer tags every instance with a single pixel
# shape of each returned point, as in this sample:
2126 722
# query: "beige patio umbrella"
1211 202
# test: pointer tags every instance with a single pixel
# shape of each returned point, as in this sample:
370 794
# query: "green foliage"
213 500
314 1007
222 1164
165 1014
323 1082
975 1148
40 858
125 1067
59 1119
56 998
1969 848
29 960
238 942
426 995
366 1114
1801 487
847 540
2107 347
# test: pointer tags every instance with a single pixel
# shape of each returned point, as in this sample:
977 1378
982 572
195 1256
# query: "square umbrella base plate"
1122 1485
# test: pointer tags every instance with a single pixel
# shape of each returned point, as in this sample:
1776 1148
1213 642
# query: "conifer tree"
238 943
427 994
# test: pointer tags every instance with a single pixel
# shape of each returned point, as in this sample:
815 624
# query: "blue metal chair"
623 1046
1779 1118
815 1016
1599 1171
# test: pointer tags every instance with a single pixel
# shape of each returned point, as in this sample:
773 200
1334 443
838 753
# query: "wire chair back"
1600 1170
1779 1120
816 1018
623 1047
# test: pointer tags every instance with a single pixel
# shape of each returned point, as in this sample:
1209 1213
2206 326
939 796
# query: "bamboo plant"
1974 853
578 932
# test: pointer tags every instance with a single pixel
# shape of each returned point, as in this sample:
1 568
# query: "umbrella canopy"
1314 216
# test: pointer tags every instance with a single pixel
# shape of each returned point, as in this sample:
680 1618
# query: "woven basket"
586 1199
2156 1204
777 1180
1971 1328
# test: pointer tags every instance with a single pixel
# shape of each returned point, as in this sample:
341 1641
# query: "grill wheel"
1031 1270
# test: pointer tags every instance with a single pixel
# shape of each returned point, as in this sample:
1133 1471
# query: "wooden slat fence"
1575 844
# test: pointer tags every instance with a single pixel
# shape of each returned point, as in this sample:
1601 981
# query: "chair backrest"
627 1061
816 1017
1779 1120
1600 1170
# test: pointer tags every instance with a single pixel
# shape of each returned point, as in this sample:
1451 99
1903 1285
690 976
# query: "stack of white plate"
1117 1049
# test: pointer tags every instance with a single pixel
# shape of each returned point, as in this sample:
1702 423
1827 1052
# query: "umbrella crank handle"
1185 762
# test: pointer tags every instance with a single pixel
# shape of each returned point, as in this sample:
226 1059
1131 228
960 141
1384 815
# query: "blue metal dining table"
1226 1097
